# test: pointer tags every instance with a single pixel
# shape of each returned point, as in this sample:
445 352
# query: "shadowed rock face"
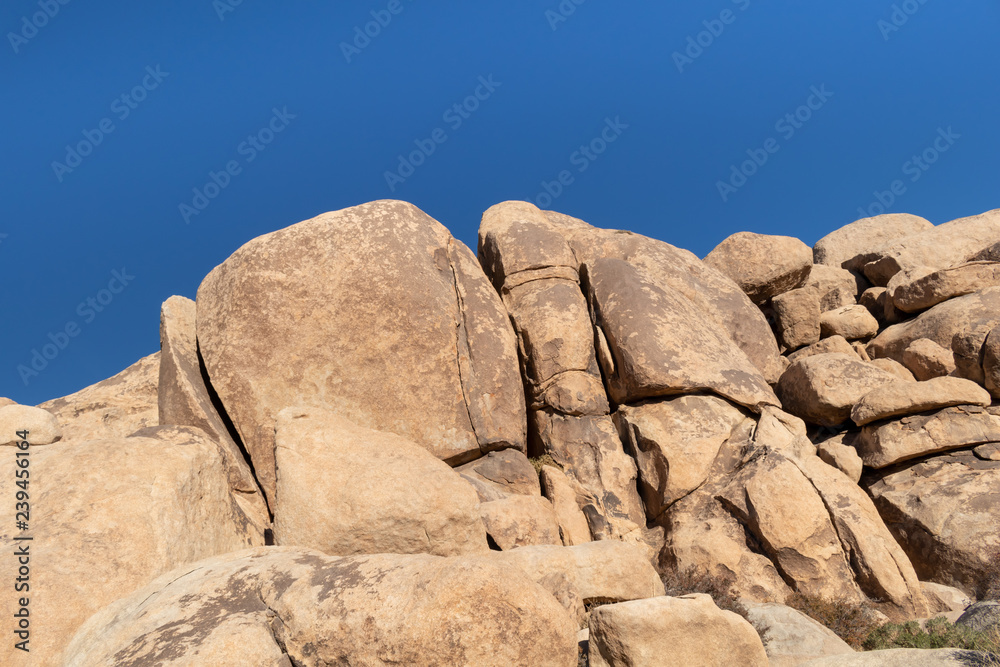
275 606
280 324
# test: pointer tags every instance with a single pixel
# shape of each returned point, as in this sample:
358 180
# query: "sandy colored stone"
833 344
499 474
792 637
763 266
345 489
929 289
991 362
937 248
675 441
797 317
4 402
113 408
907 398
882 444
928 360
107 517
567 497
279 324
944 511
854 245
895 368
668 632
283 606
836 287
662 344
841 456
41 425
852 322
873 299
823 388
941 598
901 657
517 521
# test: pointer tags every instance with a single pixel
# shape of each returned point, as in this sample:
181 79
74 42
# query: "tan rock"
928 360
873 299
991 362
792 637
282 606
941 598
567 497
666 631
439 360
675 442
662 344
988 452
763 266
860 350
833 344
899 657
107 517
925 290
883 444
183 399
943 511
797 313
853 322
499 474
907 398
4 402
841 456
836 287
854 245
823 388
895 368
517 521
345 489
940 247
113 408
41 425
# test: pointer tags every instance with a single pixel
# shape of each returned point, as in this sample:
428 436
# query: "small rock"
941 598
852 322
894 367
842 457
763 266
836 287
797 312
41 425
823 388
833 344
884 443
517 521
907 398
982 616
927 360
567 497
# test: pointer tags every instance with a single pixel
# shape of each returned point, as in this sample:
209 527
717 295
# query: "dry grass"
851 621
720 588
543 460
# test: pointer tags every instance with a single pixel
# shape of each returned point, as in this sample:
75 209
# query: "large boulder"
763 266
41 425
924 290
822 389
107 517
797 314
907 398
499 474
518 520
854 245
662 344
345 489
402 333
668 631
285 606
937 248
791 637
112 408
944 511
882 444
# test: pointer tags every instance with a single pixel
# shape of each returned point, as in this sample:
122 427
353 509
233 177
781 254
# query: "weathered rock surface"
901 657
41 425
439 360
895 368
797 313
836 287
944 598
666 631
567 497
907 398
499 474
822 389
928 360
854 245
517 521
852 322
991 362
112 408
662 344
925 290
885 443
107 517
345 489
943 246
792 637
282 606
841 456
944 511
982 616
832 345
763 266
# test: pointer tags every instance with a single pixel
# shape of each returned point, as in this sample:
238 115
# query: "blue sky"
308 114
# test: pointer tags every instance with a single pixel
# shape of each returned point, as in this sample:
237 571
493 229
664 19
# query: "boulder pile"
364 444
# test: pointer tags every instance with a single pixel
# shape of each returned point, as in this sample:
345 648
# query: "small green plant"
851 621
543 460
939 633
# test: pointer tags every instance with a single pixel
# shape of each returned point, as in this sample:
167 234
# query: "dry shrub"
851 621
544 460
939 633
720 588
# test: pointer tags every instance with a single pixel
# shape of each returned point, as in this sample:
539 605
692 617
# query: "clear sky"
153 139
